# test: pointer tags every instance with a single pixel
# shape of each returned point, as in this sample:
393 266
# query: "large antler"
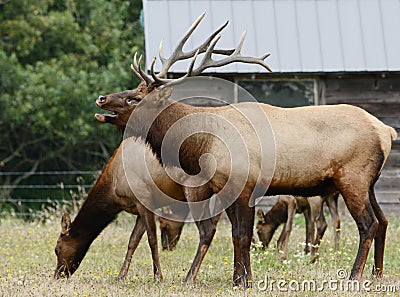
208 62
177 55
207 47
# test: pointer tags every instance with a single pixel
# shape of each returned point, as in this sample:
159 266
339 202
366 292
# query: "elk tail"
393 133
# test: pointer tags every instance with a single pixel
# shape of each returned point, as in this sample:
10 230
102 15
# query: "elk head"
170 233
265 230
68 250
122 104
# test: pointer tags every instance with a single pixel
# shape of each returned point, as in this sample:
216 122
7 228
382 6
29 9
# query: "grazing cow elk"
319 150
170 229
110 195
283 212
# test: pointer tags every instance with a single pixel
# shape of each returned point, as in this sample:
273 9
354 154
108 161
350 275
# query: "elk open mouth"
106 117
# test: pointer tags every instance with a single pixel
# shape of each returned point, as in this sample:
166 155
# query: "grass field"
28 262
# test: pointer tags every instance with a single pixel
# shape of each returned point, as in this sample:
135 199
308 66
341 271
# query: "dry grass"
28 262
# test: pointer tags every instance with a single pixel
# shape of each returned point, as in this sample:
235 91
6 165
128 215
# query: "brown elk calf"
283 212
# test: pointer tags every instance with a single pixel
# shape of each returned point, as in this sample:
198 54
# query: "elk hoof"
377 272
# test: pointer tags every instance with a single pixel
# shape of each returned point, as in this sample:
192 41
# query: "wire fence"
35 196
27 199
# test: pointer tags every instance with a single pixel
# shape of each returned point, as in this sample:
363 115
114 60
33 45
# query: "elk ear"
65 224
260 216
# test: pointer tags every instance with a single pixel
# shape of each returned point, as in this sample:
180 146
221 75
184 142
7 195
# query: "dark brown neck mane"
98 210
188 155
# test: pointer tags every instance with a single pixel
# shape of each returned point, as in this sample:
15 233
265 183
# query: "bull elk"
283 211
110 195
319 150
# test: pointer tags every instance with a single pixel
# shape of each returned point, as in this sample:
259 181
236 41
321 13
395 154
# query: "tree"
56 57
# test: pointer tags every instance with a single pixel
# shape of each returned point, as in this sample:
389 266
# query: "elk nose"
101 100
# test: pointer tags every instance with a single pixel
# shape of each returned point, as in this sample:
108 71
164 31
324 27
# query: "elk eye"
56 250
131 101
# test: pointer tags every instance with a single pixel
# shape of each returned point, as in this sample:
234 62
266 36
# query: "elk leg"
281 238
245 214
207 230
310 229
134 240
287 229
321 228
332 203
205 224
150 223
380 236
237 265
361 210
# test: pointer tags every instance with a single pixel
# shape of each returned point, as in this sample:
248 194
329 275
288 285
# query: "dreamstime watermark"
341 284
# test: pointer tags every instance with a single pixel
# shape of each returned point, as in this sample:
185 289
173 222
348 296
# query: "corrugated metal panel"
390 12
309 36
330 36
301 35
374 46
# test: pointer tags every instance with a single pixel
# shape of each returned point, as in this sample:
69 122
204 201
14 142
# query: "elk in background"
326 149
283 211
170 229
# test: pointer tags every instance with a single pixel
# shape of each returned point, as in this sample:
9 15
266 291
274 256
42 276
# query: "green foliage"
56 58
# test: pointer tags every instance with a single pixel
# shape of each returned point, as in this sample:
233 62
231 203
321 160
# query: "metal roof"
301 35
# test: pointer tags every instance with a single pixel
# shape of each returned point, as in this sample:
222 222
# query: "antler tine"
178 53
157 80
236 56
241 41
188 73
203 47
136 73
207 59
136 65
162 59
